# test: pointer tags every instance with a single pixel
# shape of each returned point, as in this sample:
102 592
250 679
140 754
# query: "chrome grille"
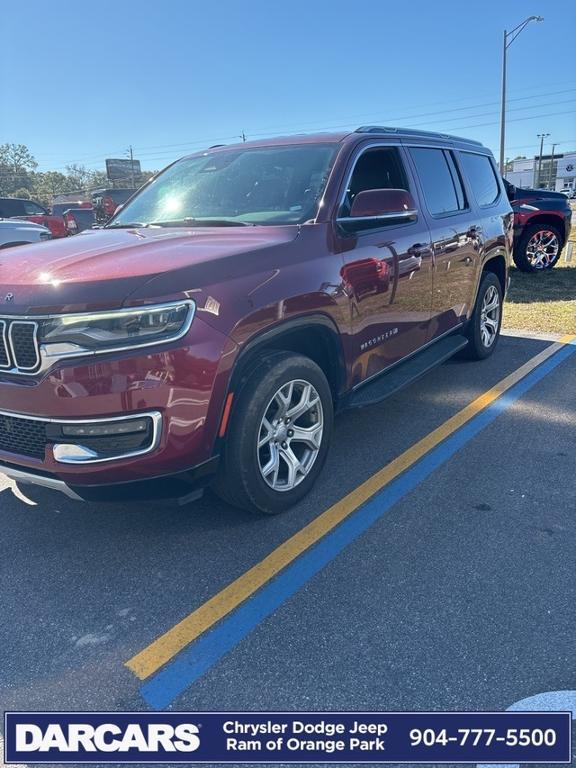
4 357
19 352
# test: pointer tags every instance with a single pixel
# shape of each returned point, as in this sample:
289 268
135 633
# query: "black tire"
477 348
240 481
520 255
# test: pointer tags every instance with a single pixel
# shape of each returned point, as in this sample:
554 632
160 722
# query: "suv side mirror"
374 205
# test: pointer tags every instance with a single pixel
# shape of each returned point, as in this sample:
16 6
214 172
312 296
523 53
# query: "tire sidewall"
479 349
242 445
519 254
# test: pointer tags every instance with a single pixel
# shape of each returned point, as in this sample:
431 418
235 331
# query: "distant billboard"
122 169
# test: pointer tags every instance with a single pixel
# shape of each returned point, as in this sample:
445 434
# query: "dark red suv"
210 332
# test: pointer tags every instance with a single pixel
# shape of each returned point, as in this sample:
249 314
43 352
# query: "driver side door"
387 269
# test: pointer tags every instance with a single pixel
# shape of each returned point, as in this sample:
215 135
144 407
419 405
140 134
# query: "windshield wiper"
192 222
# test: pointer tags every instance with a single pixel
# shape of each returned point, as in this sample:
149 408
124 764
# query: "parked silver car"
15 232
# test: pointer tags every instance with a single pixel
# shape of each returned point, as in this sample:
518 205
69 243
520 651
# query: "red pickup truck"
28 210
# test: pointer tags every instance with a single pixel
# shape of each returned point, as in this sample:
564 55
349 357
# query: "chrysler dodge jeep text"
208 333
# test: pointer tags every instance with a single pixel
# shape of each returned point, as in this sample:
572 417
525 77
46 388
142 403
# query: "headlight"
90 333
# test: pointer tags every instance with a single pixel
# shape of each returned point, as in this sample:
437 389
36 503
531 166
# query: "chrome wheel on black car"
538 249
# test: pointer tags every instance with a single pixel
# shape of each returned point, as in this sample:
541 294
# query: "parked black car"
542 221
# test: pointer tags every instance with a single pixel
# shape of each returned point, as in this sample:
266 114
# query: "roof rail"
413 132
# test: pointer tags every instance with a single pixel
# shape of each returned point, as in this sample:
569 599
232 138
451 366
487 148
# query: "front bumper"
180 388
184 486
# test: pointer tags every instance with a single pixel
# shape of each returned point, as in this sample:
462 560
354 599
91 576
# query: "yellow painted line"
165 647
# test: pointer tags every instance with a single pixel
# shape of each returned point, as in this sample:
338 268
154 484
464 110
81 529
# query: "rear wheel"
278 436
484 325
538 248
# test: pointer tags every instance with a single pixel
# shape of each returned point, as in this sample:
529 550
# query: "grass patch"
543 301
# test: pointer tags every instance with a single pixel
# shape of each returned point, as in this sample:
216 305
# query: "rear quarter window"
481 177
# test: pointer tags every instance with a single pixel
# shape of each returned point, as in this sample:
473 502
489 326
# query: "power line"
257 134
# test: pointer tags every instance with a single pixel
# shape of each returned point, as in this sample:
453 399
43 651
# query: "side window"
33 209
10 208
481 176
378 168
440 181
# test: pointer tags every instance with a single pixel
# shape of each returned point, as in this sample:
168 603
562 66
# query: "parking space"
459 594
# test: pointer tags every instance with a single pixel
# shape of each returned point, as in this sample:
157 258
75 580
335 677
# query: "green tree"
83 178
50 183
16 166
23 193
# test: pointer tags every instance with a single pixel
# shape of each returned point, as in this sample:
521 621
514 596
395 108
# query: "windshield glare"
266 185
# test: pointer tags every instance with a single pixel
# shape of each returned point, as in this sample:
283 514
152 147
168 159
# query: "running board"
406 373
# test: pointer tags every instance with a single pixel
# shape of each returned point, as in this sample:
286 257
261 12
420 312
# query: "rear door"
387 268
456 236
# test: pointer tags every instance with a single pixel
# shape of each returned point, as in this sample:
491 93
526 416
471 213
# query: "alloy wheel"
542 249
290 435
490 316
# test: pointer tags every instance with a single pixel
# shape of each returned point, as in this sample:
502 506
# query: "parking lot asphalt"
459 595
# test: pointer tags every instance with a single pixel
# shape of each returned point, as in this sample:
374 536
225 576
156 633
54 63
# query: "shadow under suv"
211 331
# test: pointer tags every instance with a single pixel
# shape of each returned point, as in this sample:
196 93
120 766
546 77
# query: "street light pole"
551 167
509 38
541 136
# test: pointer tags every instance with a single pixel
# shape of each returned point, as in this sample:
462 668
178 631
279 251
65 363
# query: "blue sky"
82 83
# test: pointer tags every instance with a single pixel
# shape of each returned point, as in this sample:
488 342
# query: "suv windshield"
264 185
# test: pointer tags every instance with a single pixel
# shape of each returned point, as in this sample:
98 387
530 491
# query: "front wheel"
484 325
539 248
279 435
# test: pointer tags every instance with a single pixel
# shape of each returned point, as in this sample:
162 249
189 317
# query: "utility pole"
132 167
541 136
551 167
509 38
503 107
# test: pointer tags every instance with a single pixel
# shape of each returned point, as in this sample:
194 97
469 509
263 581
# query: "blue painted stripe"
190 664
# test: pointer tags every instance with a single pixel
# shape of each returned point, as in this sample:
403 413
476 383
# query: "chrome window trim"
155 416
15 366
381 216
47 361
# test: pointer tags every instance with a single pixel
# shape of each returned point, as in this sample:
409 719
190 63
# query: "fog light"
85 442
105 429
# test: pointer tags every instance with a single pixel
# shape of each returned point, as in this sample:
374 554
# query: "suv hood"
99 269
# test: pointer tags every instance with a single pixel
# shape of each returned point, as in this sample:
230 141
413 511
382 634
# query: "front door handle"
420 249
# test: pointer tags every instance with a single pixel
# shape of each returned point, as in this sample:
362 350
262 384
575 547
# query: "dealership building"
556 172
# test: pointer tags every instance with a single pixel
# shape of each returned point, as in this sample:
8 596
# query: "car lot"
460 595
